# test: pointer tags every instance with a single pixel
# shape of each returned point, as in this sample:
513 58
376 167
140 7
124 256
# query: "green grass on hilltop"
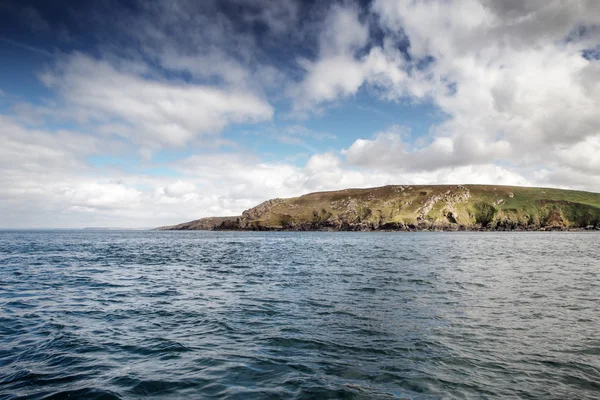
483 206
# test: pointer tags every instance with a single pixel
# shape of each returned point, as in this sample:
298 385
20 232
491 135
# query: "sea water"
286 315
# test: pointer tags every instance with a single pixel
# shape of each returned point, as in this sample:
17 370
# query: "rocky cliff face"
257 213
440 207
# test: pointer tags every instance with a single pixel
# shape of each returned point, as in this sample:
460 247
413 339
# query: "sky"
135 113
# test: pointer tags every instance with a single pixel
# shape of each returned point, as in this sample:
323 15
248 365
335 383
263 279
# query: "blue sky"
136 114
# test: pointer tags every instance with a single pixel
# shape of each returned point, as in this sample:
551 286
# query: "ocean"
299 315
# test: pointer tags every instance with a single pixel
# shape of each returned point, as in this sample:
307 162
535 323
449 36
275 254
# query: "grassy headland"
418 207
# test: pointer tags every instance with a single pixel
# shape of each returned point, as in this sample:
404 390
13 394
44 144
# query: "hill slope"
414 207
202 224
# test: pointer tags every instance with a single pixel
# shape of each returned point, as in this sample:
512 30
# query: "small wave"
155 346
85 393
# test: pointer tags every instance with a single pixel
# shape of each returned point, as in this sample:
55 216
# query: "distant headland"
112 228
418 208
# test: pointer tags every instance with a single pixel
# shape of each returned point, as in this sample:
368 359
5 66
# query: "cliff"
414 207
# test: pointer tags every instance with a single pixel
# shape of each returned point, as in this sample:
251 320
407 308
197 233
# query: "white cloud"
583 156
179 189
516 76
343 65
327 80
98 195
328 172
336 73
37 151
343 33
390 150
510 77
148 111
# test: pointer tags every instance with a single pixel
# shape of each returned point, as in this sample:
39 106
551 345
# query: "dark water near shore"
299 315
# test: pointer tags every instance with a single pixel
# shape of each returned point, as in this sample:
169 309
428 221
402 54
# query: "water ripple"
251 315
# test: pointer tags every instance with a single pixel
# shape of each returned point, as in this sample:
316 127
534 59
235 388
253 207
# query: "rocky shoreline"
306 227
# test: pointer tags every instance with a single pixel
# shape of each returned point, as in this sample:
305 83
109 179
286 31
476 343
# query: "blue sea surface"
299 315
